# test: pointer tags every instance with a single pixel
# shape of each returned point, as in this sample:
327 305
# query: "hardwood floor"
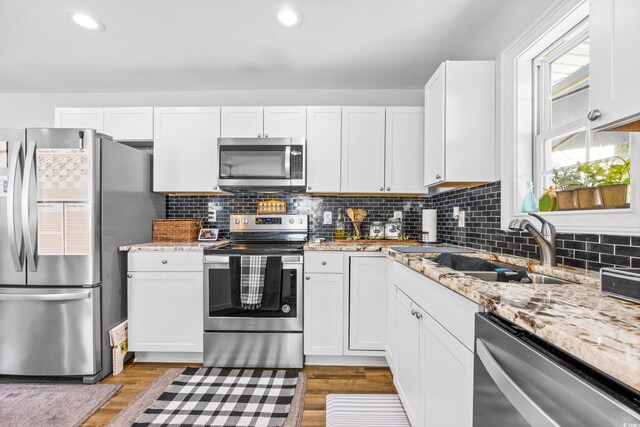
322 381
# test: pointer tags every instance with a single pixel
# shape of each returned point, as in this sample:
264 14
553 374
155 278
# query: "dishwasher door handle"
529 410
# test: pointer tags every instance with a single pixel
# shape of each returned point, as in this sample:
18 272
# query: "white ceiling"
158 45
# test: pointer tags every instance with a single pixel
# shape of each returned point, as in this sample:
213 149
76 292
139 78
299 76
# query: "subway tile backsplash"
482 231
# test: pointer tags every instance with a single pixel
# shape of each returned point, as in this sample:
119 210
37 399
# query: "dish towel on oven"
270 287
252 281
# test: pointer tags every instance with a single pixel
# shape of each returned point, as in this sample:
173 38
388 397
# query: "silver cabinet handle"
129 275
164 261
388 188
381 188
529 410
15 166
45 297
29 221
308 278
594 115
438 177
324 262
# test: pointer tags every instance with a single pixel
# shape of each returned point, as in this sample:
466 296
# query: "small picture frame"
208 234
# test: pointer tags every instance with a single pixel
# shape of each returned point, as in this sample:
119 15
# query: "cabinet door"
323 314
434 127
285 122
129 123
404 145
242 122
390 340
185 149
324 136
407 354
614 76
447 374
88 118
363 149
367 299
165 311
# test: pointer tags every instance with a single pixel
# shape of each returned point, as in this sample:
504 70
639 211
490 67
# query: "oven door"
220 315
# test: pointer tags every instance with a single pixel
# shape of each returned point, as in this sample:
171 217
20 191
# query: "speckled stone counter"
355 246
602 331
173 246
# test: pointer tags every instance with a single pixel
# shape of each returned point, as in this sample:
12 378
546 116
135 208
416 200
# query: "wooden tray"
373 241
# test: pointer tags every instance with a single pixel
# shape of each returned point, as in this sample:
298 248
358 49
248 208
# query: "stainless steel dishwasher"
519 380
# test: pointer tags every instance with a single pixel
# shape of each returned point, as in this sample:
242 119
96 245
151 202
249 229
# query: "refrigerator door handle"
16 240
523 403
29 219
45 297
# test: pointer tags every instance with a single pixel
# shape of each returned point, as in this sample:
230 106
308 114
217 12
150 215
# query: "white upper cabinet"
404 145
88 118
363 149
324 136
285 122
242 122
614 76
129 123
459 122
185 152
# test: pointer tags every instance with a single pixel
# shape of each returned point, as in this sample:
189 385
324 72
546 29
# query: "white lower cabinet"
367 303
323 325
390 330
165 307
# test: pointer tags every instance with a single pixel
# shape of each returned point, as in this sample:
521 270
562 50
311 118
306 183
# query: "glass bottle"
339 233
530 203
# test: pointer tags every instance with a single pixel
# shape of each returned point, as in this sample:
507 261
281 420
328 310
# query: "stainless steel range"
237 337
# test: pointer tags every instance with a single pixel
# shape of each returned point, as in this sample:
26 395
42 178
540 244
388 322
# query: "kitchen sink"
536 279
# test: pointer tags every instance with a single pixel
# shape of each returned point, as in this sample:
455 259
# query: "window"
568 156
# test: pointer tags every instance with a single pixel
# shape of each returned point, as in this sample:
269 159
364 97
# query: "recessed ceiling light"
85 20
288 17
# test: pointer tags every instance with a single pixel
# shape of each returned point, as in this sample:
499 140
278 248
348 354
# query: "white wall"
36 110
497 34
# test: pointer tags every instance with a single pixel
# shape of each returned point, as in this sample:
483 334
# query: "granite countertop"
172 246
356 246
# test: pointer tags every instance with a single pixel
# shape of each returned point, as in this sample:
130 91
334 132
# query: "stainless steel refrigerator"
68 199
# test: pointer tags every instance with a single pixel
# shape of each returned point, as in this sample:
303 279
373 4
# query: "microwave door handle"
287 162
527 408
16 240
29 219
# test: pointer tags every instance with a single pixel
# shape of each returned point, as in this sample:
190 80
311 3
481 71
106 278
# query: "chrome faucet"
546 237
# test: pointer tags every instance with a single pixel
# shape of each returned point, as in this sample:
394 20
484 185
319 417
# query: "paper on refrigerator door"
63 175
4 154
50 229
77 228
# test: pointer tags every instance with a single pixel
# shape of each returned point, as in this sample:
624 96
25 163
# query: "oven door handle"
520 400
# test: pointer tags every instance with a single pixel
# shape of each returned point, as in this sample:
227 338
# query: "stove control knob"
246 221
291 221
237 221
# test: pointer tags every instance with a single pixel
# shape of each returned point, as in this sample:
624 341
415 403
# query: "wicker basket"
176 230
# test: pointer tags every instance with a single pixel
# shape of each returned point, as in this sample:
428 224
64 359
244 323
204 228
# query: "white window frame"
517 129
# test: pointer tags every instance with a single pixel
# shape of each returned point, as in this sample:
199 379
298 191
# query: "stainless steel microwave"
262 164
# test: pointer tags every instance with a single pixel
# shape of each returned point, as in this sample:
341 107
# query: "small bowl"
318 239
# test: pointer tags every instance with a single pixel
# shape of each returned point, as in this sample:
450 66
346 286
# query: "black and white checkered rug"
224 397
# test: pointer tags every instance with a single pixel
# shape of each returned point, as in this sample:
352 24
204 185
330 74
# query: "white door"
407 354
367 299
165 311
614 77
324 136
404 145
447 372
185 149
363 149
434 127
242 122
323 313
285 122
129 123
87 118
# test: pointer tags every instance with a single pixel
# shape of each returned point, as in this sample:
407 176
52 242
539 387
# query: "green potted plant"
566 180
615 182
592 174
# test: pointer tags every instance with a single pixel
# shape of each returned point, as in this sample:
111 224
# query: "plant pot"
567 200
614 196
589 198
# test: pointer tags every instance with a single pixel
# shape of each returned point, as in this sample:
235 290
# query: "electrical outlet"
397 214
327 218
213 215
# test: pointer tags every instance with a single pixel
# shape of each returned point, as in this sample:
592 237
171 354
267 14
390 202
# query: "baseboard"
167 356
345 360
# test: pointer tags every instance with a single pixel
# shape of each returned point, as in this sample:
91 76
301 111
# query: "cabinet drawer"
165 261
323 262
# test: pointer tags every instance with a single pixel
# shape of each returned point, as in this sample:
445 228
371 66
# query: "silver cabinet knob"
215 187
259 135
308 278
309 188
413 312
324 262
388 188
438 176
381 188
418 315
266 135
164 261
594 115
129 275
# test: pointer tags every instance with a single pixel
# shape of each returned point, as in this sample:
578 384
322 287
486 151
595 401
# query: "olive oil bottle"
339 233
